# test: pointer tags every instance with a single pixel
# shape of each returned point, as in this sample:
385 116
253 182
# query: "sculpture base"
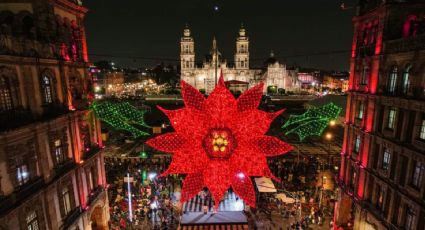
199 213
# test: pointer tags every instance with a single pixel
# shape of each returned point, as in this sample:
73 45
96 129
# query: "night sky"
129 30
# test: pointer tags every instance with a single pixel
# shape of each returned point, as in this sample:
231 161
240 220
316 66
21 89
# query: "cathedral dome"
271 60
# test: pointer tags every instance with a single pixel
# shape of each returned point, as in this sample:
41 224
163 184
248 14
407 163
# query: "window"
59 154
357 144
353 178
32 221
386 159
380 194
22 174
5 95
66 199
391 118
91 182
360 110
422 131
418 174
392 80
406 80
364 75
47 89
410 219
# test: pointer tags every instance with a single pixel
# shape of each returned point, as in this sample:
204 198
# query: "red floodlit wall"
370 115
374 72
360 187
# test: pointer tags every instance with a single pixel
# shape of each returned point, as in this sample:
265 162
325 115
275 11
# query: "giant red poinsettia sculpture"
220 142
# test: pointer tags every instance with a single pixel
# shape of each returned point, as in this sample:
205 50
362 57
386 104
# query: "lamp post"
130 207
329 137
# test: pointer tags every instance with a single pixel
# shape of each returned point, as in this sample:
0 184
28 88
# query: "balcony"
15 118
72 217
80 104
405 44
94 195
92 152
64 168
20 117
20 195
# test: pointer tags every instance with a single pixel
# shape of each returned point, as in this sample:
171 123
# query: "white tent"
282 197
265 184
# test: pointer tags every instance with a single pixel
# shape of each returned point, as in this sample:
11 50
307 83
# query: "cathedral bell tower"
187 50
242 50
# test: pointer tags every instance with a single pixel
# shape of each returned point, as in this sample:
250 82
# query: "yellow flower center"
219 143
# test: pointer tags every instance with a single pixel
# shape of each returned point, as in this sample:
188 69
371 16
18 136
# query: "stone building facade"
238 75
51 166
382 172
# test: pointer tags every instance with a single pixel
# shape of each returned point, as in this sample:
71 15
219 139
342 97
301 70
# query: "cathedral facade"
238 75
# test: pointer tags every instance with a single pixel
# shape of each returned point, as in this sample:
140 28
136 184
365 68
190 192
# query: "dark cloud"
152 28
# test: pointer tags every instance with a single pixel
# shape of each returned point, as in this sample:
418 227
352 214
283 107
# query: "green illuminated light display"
313 122
121 116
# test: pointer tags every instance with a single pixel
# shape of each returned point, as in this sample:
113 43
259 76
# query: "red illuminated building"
382 171
52 172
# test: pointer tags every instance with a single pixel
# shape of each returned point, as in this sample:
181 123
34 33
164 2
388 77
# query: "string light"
313 122
121 116
220 142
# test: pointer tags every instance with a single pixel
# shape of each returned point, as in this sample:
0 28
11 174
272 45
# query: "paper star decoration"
220 142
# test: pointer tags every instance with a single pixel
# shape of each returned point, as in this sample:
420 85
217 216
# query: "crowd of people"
153 201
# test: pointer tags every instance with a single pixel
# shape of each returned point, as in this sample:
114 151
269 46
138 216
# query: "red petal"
268 173
251 98
272 146
191 96
254 122
248 160
221 80
217 179
168 143
186 162
187 122
243 187
192 184
221 106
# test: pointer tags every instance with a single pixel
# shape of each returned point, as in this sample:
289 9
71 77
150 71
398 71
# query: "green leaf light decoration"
121 116
313 122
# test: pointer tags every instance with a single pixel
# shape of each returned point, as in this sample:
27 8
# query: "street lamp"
329 137
332 123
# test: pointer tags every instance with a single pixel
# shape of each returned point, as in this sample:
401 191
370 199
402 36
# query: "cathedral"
238 75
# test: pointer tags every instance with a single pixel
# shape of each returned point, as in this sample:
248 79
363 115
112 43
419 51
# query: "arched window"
406 79
47 88
66 200
365 75
410 26
28 27
392 80
6 103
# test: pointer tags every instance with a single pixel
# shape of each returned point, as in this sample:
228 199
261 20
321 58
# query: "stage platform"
229 216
